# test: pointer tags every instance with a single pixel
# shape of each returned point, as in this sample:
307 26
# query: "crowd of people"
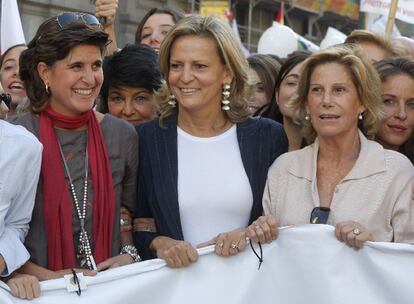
112 156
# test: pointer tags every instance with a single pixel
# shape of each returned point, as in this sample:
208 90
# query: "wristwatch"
132 251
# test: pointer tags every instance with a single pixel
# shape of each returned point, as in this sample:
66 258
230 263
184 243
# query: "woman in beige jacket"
342 179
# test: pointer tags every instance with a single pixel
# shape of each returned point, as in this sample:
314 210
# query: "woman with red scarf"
89 159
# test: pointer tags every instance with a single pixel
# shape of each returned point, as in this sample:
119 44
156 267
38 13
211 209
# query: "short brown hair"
364 77
392 48
50 44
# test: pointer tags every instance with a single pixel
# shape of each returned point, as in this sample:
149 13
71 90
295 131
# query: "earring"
360 116
172 101
47 89
307 117
226 94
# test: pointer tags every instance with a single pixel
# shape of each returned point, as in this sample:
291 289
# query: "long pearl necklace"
84 248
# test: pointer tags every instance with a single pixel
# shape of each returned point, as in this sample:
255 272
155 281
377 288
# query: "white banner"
305 265
405 9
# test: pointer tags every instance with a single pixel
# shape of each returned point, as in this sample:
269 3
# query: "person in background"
204 161
342 179
285 90
20 160
376 46
395 131
131 77
155 25
151 30
263 72
89 160
10 78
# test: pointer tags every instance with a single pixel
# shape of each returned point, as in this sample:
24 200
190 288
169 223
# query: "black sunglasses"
319 215
63 19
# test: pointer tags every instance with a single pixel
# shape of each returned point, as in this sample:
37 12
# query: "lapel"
249 139
167 171
370 161
245 137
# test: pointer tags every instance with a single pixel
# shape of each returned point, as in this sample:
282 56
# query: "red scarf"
57 206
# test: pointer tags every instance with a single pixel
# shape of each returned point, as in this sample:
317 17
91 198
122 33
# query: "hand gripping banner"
306 264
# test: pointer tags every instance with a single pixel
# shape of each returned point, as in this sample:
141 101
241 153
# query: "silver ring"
234 246
221 245
356 231
123 222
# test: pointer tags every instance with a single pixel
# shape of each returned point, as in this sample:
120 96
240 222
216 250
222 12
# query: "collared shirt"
20 160
375 193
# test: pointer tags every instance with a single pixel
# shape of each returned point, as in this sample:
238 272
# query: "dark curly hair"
134 66
50 44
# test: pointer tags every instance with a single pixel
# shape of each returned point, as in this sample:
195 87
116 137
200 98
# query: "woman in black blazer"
203 163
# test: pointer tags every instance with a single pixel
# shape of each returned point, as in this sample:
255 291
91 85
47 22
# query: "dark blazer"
261 141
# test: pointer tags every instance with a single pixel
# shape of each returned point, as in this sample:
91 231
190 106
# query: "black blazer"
261 141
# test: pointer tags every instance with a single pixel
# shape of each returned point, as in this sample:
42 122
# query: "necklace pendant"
91 263
83 262
81 257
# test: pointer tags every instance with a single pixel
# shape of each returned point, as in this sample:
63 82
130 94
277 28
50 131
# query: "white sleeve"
402 219
16 209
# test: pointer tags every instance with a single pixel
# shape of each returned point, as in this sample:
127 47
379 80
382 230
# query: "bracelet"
132 251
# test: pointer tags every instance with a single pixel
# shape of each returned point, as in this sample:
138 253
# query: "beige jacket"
376 192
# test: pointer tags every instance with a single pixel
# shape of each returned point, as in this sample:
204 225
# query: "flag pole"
391 17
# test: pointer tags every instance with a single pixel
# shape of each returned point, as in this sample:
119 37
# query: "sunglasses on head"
63 19
319 215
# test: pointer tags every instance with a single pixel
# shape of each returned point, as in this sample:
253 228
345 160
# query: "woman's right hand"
24 286
107 9
263 230
175 253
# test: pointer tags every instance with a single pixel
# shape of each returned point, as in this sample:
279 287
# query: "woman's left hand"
116 261
353 234
229 243
24 286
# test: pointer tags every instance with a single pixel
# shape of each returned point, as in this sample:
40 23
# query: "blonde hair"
364 77
229 52
393 48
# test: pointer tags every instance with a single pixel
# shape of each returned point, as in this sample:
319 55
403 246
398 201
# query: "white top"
20 160
375 193
214 192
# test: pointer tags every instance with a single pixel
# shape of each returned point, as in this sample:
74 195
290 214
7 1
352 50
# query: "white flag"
11 25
